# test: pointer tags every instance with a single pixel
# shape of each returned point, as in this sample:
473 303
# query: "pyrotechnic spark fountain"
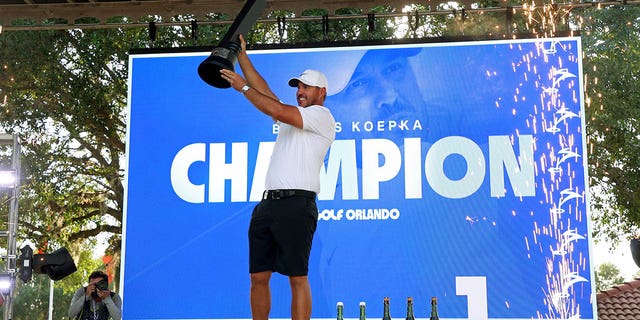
558 161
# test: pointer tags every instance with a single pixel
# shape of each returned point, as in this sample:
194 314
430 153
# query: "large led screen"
458 172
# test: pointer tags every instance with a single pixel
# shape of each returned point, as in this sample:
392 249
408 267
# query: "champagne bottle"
434 309
363 315
340 307
410 315
386 315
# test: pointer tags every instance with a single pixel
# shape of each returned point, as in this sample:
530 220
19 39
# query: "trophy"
224 56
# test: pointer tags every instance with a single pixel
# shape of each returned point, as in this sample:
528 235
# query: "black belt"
286 193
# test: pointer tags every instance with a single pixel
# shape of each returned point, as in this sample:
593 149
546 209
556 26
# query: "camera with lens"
100 285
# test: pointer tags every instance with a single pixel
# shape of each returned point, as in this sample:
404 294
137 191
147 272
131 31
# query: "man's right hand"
91 288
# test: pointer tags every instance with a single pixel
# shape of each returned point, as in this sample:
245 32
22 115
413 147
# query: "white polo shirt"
299 153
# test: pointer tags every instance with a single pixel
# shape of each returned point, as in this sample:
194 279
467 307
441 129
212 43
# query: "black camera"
102 285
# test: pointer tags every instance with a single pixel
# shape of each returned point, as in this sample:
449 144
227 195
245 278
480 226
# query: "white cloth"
299 153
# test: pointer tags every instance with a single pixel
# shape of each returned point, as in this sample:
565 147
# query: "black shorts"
280 235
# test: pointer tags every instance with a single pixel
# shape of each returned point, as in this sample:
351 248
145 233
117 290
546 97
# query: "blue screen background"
190 260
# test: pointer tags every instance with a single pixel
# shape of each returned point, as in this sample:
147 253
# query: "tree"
607 276
610 38
65 100
32 302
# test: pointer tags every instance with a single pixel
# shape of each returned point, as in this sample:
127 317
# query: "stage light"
25 271
7 179
371 22
57 265
325 26
282 27
6 283
152 31
224 56
194 30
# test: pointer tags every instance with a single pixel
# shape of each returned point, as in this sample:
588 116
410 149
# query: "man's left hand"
235 80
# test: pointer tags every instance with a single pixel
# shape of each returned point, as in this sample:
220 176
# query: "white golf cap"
340 73
312 78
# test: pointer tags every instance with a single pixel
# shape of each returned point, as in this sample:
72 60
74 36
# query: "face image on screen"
458 172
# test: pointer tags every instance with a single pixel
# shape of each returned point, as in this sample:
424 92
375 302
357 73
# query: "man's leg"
300 298
260 295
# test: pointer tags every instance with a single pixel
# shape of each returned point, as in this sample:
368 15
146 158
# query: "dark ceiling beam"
138 11
71 10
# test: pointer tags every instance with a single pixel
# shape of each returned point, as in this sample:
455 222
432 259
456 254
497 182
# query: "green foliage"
607 276
65 100
32 301
611 45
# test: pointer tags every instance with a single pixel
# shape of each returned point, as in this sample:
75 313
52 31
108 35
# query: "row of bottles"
386 315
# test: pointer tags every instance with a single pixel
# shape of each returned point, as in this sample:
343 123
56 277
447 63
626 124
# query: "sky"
620 257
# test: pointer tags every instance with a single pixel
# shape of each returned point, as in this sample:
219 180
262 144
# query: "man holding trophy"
283 223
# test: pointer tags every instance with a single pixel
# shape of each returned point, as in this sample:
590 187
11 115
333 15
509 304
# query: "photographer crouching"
95 301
